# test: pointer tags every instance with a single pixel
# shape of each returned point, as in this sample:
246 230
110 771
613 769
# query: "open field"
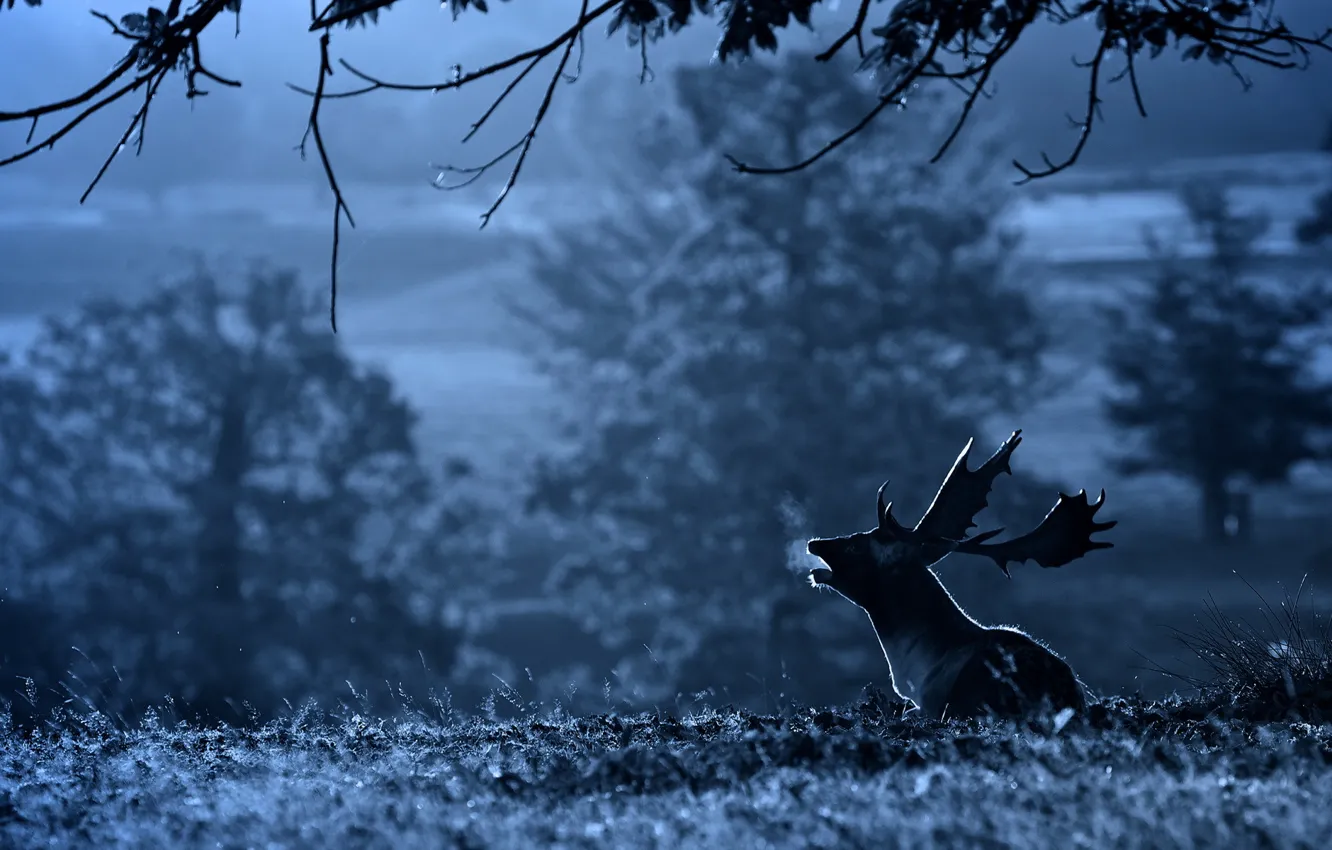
1130 774
1135 775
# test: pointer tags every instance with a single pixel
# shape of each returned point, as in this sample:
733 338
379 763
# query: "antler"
965 493
888 523
1062 537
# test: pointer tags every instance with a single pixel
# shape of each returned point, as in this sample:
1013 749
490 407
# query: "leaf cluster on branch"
960 42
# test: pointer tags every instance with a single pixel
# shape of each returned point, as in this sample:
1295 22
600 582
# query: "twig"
495 104
854 31
181 35
977 90
1084 127
459 79
892 97
326 21
116 72
340 207
474 172
138 121
530 135
645 72
115 27
568 39
97 106
1262 41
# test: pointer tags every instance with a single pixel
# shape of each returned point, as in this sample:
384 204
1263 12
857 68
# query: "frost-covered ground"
1133 775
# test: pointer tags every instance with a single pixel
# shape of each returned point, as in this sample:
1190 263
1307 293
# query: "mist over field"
518 556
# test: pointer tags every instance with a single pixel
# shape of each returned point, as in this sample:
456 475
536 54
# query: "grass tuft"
1278 667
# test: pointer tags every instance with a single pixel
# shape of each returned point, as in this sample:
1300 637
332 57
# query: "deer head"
864 566
861 566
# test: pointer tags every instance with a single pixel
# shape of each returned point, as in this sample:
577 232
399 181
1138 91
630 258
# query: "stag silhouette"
941 659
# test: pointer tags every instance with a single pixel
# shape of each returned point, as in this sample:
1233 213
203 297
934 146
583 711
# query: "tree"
748 362
31 639
962 41
1214 366
223 504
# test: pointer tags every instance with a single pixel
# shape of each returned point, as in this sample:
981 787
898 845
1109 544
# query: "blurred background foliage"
205 498
720 336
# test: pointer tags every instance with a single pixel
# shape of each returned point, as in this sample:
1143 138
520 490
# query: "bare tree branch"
525 144
567 40
340 208
160 45
139 120
960 42
893 97
1084 126
856 31
1224 32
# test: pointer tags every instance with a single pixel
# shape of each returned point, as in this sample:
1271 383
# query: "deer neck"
924 634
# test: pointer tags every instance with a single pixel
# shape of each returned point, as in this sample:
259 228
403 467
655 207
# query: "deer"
946 663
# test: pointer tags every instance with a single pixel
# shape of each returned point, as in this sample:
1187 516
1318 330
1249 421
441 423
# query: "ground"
1132 774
